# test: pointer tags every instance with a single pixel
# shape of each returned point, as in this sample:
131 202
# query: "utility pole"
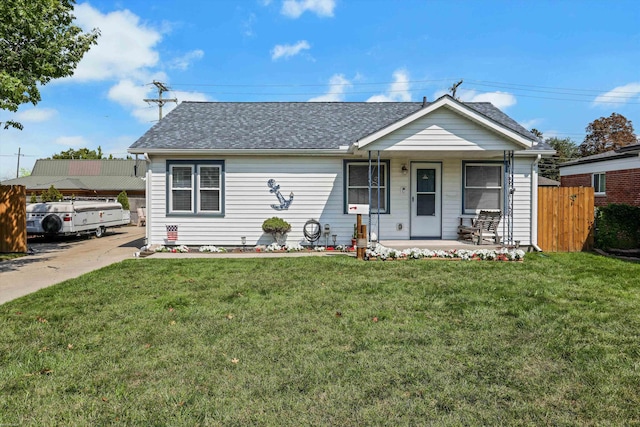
18 168
454 88
159 100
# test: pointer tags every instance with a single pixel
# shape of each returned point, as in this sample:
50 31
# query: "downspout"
147 198
534 203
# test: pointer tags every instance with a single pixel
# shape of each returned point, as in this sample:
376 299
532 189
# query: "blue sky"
552 65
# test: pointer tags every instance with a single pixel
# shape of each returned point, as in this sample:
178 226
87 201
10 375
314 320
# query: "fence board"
565 219
13 218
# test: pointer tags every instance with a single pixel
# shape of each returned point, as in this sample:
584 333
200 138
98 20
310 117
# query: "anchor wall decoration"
275 188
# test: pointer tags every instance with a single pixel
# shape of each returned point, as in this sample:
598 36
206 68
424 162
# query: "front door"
426 200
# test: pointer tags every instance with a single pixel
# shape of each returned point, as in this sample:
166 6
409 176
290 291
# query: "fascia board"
236 152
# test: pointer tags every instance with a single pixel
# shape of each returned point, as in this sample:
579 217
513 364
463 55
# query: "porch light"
404 170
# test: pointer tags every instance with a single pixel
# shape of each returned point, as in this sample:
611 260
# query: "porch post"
369 216
378 228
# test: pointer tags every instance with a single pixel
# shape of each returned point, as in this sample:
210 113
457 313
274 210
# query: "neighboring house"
614 175
546 182
86 178
218 170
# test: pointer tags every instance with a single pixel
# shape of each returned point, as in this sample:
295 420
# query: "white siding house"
210 165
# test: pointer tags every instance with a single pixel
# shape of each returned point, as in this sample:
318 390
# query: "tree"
606 134
536 132
51 195
82 153
123 199
38 43
566 150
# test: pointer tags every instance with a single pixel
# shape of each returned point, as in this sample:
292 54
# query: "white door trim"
425 226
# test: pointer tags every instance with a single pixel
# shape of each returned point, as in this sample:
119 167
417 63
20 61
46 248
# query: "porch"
436 244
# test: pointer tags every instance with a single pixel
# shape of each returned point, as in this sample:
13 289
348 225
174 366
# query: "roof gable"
500 123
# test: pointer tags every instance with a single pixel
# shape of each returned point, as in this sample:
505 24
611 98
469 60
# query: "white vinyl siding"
319 194
443 130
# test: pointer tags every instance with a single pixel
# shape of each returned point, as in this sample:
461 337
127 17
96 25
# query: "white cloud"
338 84
149 113
131 95
189 96
500 100
529 124
71 141
551 133
287 50
36 115
183 62
125 46
295 8
399 90
619 95
248 25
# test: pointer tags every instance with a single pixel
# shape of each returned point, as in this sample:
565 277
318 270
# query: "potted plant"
277 227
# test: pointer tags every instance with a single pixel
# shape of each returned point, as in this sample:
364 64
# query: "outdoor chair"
142 216
483 229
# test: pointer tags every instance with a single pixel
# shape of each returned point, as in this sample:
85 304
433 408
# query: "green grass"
12 255
551 341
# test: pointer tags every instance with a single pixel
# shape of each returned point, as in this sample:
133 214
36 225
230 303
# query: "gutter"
239 152
534 203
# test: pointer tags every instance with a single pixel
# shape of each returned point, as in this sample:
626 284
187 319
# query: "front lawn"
328 341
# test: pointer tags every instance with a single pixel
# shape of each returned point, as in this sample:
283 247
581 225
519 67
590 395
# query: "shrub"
123 199
34 198
277 227
51 195
618 227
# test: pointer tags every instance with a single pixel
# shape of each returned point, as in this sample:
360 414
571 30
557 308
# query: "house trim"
345 183
195 164
481 162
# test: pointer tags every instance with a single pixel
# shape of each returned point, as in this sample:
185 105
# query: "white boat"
75 218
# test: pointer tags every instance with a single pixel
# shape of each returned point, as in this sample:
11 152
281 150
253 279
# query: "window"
599 183
482 187
357 185
195 187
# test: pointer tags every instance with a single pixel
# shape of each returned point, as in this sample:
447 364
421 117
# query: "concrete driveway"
60 260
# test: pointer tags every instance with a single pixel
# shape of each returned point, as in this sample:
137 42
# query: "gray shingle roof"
285 125
631 150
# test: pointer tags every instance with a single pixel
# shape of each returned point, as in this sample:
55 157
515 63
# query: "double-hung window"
195 187
483 187
357 185
599 183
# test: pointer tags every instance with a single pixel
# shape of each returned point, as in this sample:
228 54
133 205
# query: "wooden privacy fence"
13 218
565 219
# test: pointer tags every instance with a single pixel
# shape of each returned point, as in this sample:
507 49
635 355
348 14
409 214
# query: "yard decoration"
277 227
275 188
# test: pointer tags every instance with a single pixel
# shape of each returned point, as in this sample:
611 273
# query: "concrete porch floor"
444 245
